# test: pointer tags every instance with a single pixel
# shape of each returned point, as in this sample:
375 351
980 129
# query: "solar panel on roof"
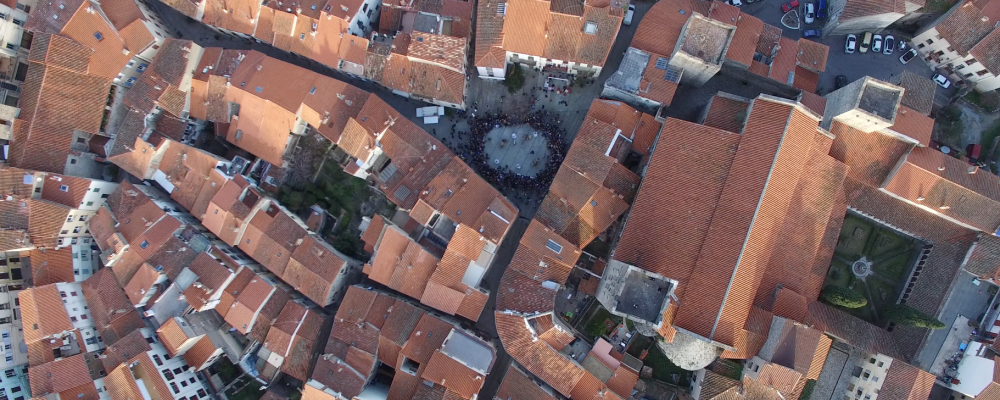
662 63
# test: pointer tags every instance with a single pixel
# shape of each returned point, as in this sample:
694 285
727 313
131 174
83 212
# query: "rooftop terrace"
880 100
706 39
642 295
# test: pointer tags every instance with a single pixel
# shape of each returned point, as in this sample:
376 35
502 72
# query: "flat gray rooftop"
473 353
630 71
880 100
642 296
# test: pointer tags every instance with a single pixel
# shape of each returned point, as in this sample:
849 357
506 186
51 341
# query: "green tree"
908 316
844 297
514 79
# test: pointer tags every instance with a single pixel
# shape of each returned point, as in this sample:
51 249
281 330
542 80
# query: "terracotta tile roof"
517 385
268 314
537 356
983 53
813 205
791 305
661 26
726 113
813 101
688 155
870 156
51 266
965 27
521 293
527 21
54 102
294 336
110 54
113 313
121 384
141 283
243 313
122 13
453 375
446 50
211 272
805 80
850 329
372 234
235 16
779 378
172 335
68 378
812 55
424 79
314 268
200 352
402 264
125 350
748 30
984 259
190 170
76 189
919 91
783 64
932 179
426 338
42 313
863 8
904 381
912 123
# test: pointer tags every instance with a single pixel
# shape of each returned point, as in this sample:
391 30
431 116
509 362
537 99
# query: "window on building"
959 67
157 360
173 386
982 72
62 294
951 48
72 319
920 46
970 61
63 188
929 41
144 244
10 373
90 203
15 389
169 375
76 230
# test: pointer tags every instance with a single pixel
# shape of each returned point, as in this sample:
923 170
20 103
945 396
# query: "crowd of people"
543 123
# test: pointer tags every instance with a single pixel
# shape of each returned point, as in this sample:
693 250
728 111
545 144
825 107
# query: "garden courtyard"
873 261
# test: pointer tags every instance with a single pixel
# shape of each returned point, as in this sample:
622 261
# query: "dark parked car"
821 10
810 33
839 82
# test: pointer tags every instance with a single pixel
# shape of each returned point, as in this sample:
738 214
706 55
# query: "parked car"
630 13
866 41
852 43
810 13
839 82
889 44
821 10
789 6
941 80
811 33
877 44
906 57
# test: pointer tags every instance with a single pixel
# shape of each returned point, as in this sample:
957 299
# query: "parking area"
853 66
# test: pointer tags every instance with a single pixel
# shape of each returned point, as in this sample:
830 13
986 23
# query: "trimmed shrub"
844 297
